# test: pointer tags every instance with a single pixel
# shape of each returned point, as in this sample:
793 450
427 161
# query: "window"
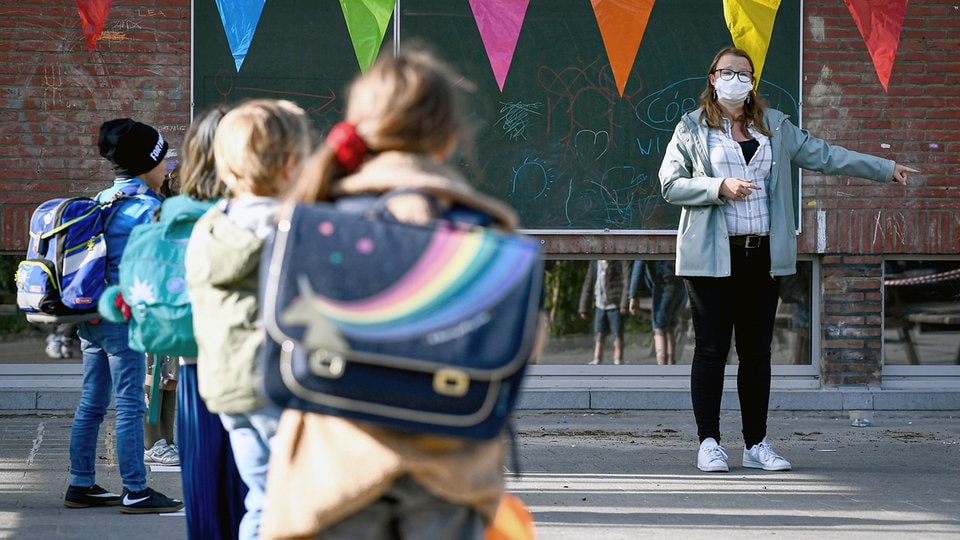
657 327
921 312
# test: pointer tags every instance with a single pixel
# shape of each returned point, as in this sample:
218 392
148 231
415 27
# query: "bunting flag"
367 22
499 22
880 23
751 24
93 15
240 19
622 27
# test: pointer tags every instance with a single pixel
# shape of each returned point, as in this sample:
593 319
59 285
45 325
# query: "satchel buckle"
451 382
325 363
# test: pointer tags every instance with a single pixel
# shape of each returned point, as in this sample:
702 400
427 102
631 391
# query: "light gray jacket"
703 247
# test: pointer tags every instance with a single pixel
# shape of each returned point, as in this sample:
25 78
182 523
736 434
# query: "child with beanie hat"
132 147
137 152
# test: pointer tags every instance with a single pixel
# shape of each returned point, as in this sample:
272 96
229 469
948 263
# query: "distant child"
669 298
159 443
606 288
62 342
335 478
110 368
258 147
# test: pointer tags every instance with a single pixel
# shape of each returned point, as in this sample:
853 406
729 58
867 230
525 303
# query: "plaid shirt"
750 215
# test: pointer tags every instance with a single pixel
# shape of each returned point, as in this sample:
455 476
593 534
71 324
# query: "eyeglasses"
727 75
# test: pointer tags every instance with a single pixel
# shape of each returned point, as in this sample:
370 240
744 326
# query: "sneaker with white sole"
162 454
148 501
85 497
761 456
711 457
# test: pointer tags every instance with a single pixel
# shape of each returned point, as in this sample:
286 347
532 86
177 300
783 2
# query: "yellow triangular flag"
751 25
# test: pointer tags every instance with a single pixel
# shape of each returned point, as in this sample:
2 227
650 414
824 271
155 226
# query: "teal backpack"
152 282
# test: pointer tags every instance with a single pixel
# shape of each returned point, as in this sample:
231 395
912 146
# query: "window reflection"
921 312
652 305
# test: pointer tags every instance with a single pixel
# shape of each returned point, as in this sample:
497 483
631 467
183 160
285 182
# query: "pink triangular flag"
622 25
499 22
93 15
880 23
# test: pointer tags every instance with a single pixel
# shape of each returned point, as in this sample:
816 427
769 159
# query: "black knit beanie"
132 147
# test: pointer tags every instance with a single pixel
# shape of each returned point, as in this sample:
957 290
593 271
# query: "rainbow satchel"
425 328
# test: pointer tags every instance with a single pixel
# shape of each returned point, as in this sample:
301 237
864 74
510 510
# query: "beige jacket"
325 468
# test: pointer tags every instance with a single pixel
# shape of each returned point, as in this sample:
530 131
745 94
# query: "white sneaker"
162 454
761 456
54 347
711 457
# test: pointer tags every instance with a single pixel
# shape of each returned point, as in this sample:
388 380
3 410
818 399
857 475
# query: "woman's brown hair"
753 107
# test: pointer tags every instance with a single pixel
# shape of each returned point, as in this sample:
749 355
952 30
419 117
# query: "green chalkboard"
558 142
300 51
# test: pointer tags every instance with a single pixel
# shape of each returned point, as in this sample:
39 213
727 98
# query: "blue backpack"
152 282
65 270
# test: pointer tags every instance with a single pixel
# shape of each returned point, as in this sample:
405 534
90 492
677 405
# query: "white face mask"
733 91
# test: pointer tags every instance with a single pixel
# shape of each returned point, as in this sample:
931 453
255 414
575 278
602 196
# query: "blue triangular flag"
240 18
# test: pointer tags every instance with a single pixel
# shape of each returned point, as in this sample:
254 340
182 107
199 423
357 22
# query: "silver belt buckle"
752 241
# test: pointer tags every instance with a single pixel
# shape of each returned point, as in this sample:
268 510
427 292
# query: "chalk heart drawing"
591 145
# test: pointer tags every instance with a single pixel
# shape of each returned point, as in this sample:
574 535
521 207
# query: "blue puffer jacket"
136 208
703 246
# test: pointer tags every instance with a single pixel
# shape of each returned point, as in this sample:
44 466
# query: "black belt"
749 241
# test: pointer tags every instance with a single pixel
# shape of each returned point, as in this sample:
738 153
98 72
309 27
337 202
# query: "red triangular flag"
880 23
499 24
93 15
622 27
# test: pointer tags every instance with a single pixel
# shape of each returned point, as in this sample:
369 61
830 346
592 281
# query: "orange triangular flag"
880 23
622 27
93 15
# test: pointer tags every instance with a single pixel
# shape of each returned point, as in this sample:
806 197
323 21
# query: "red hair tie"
349 147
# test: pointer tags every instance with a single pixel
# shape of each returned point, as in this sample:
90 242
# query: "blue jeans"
110 369
607 321
251 434
669 295
745 304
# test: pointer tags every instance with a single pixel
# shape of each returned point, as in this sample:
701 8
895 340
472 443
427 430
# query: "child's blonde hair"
259 144
406 103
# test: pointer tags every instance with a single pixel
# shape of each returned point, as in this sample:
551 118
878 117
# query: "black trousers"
743 305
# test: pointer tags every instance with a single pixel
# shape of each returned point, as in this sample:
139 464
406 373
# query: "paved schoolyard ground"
604 476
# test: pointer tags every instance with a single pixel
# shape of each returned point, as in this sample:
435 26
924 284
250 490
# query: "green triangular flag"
367 22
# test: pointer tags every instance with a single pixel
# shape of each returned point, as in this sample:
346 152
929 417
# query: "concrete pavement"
617 475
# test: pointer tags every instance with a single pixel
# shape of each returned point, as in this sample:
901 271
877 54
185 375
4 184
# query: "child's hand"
122 307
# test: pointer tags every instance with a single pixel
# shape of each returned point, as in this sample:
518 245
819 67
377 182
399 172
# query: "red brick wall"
54 94
916 122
